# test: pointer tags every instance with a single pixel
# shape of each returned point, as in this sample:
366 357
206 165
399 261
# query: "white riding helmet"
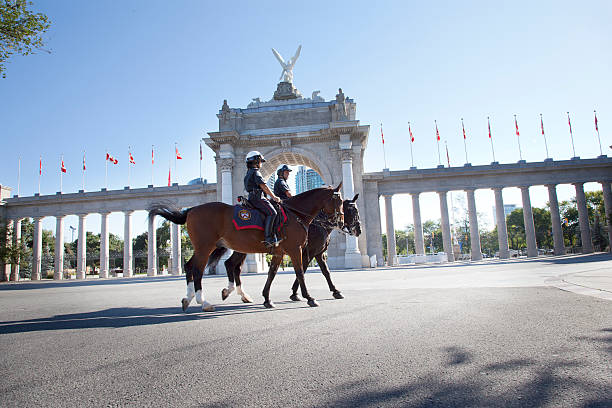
254 155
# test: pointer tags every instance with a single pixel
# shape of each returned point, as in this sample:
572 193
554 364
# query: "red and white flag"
63 168
447 156
152 156
462 127
169 177
489 126
596 127
542 125
84 168
200 151
411 136
516 126
569 122
437 133
131 158
178 155
40 166
382 134
111 159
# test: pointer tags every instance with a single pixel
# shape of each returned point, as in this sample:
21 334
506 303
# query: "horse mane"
305 194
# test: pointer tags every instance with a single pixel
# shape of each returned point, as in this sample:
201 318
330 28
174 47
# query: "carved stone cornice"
225 164
346 155
285 145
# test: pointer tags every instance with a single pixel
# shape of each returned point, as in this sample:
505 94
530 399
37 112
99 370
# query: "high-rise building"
508 208
306 179
271 181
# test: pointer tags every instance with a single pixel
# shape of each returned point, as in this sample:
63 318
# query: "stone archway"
295 157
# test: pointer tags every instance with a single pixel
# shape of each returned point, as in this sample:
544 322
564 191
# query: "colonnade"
14 225
502 233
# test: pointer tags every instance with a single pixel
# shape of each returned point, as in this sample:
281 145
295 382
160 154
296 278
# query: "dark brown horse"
210 226
319 233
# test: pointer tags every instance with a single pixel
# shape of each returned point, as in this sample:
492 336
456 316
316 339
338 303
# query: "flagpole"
438 143
39 173
152 160
597 129
175 150
18 175
518 138
106 171
383 146
464 143
447 156
83 170
129 164
201 161
491 138
61 175
571 134
544 135
411 156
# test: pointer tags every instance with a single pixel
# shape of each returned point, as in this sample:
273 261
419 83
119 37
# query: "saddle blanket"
248 218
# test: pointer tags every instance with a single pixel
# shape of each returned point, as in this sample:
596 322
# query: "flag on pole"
596 127
178 155
131 158
569 122
447 156
411 136
200 151
169 176
84 167
152 156
111 159
542 125
382 136
40 166
463 127
516 126
437 133
63 168
489 126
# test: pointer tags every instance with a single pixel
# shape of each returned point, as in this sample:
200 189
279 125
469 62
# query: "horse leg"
325 271
190 285
229 269
276 260
237 270
305 261
296 258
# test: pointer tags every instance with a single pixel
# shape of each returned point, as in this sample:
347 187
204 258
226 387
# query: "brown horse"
210 226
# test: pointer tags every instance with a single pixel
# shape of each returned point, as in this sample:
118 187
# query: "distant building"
306 179
271 181
508 208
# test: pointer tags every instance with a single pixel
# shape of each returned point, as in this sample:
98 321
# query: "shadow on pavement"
136 316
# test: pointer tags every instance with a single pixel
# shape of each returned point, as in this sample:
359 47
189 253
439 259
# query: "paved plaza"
496 333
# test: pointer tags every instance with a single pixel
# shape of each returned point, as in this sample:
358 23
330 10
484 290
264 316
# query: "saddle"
246 216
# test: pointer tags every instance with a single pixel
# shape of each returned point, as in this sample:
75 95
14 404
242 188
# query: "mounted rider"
281 188
255 185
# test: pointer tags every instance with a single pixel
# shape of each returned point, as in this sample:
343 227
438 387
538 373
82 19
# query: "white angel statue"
287 74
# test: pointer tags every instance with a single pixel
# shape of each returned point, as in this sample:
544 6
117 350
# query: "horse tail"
168 212
215 256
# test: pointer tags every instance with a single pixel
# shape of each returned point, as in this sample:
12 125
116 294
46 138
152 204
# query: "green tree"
20 30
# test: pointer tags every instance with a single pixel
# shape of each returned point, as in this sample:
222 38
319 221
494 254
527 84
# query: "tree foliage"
20 30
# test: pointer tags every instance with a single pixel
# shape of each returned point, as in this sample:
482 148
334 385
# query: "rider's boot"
269 232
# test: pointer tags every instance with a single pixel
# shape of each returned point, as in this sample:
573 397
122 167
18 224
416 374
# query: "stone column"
607 196
352 256
372 222
391 251
58 272
226 165
445 223
104 247
152 248
474 234
176 250
81 249
559 245
16 243
127 245
502 229
37 249
419 243
583 217
530 237
6 267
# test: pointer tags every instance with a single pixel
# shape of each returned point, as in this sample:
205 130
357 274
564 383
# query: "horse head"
333 205
351 225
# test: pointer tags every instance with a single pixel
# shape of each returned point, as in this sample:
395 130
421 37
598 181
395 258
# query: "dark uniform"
281 188
252 181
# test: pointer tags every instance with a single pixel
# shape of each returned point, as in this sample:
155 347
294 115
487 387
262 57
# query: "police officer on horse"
256 187
281 188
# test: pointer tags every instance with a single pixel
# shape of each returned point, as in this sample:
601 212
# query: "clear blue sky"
156 72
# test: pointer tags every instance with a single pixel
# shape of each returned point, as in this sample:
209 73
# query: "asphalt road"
492 334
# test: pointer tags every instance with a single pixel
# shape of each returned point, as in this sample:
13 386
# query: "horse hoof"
295 298
224 294
269 305
312 303
185 304
338 295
